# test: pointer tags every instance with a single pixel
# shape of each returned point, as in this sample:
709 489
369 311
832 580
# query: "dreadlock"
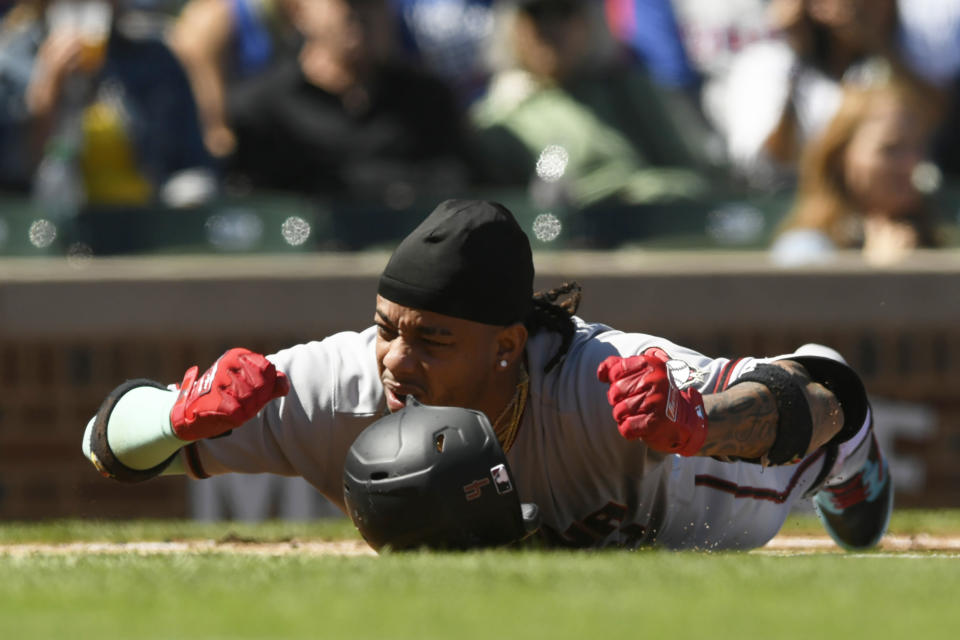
547 313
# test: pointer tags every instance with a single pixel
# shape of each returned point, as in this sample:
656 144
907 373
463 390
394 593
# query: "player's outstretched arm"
774 415
142 424
746 419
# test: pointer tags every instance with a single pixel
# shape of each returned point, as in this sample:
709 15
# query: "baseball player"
620 438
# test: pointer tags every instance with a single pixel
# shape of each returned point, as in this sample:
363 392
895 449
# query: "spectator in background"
649 29
344 119
685 43
449 38
21 33
109 112
221 42
713 33
652 33
781 92
930 38
929 33
862 180
568 113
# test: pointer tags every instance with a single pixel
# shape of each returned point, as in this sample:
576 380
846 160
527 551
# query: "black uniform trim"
102 456
192 456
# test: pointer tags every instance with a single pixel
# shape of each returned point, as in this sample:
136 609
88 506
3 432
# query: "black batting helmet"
433 477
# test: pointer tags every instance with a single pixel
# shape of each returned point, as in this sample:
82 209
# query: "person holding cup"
110 104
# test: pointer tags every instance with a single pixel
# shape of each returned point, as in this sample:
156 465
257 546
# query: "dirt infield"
894 543
313 548
781 545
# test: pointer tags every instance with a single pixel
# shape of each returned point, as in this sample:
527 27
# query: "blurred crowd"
848 104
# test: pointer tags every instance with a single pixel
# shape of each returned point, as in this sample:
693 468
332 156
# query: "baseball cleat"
856 512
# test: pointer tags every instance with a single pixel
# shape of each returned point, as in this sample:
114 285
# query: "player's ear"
510 342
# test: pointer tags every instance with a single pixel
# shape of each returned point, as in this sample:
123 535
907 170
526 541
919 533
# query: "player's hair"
553 310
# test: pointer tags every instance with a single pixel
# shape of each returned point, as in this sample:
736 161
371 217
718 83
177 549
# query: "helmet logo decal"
501 479
474 490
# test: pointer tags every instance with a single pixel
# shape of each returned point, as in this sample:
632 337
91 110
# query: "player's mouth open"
397 395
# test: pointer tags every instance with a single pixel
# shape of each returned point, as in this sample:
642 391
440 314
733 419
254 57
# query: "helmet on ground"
433 477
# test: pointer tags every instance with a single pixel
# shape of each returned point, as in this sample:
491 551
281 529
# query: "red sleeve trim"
723 380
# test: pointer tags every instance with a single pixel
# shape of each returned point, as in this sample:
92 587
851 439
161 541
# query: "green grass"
902 521
479 595
493 594
60 531
939 522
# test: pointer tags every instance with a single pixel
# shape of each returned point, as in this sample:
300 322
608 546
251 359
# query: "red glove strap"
228 394
648 405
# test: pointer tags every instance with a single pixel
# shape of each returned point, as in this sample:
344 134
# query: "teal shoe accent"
856 513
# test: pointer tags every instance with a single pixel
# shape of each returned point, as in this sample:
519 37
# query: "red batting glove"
648 405
231 392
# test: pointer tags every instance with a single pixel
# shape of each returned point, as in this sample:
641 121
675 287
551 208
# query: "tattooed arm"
742 421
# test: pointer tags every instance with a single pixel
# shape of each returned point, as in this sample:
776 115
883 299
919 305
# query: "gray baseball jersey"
593 487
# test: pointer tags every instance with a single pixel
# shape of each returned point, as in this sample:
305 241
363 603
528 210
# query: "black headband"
468 259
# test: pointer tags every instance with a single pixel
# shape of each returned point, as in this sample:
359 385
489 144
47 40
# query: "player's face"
438 359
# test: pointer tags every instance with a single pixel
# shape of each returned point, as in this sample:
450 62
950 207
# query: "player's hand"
228 394
649 406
